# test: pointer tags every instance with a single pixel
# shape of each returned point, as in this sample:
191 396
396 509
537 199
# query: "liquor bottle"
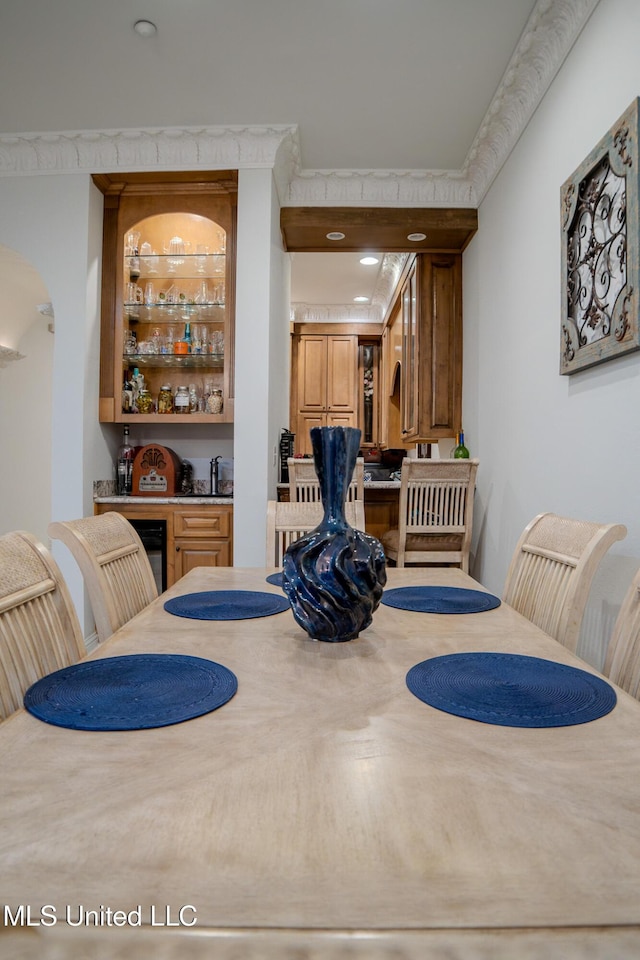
187 336
461 452
124 465
127 394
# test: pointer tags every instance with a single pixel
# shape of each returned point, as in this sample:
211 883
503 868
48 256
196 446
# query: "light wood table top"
325 811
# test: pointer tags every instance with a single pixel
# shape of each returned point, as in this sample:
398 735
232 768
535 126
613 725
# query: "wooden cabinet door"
312 373
342 373
410 367
200 553
341 419
440 346
305 421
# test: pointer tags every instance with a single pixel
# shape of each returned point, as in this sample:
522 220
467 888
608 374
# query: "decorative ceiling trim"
551 31
336 313
176 148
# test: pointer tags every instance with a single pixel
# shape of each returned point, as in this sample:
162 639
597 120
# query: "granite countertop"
183 501
104 491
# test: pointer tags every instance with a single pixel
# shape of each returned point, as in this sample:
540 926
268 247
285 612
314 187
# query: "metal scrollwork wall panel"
600 251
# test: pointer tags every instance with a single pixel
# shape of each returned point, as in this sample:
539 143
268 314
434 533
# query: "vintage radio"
157 471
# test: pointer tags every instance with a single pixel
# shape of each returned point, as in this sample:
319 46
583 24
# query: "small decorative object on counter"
334 576
181 402
165 399
461 452
215 402
145 402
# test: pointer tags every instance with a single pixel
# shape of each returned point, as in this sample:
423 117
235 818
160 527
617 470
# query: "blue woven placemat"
511 690
440 599
227 605
131 693
275 579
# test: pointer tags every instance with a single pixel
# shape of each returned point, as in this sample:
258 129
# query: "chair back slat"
288 521
39 628
115 567
622 662
304 486
435 513
552 569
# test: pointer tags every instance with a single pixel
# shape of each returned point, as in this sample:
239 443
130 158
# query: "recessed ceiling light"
369 261
361 299
335 235
144 28
416 237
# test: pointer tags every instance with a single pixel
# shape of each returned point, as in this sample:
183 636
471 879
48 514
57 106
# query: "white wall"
546 442
262 379
55 222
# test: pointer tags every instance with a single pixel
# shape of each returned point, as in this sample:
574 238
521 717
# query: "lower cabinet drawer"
205 524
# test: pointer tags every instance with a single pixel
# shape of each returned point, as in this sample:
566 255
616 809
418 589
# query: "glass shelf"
186 361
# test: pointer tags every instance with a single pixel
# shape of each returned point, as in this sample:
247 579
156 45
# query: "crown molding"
175 148
335 313
551 31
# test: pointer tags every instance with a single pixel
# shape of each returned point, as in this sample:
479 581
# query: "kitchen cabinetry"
430 373
325 380
202 538
197 535
168 291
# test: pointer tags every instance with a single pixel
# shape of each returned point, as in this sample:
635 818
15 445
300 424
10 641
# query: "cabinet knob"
177 549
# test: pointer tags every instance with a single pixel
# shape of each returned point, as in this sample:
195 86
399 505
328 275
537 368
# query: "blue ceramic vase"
334 576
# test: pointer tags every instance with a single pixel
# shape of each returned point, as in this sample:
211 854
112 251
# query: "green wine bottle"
461 452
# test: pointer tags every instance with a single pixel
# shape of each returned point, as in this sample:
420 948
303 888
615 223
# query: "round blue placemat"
130 693
440 599
511 690
275 579
227 605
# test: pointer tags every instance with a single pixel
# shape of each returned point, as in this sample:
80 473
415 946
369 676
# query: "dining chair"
114 564
288 521
551 571
304 485
39 627
435 513
622 662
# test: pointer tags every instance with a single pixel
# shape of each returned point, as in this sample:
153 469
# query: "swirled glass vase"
334 575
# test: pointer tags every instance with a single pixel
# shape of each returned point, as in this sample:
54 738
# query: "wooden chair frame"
622 662
288 521
114 564
304 485
39 627
552 569
435 513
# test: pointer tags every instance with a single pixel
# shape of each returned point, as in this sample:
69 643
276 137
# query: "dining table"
324 810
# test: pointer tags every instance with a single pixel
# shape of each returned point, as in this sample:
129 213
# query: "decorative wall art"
601 250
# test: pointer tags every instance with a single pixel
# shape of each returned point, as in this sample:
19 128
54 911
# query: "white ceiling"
368 85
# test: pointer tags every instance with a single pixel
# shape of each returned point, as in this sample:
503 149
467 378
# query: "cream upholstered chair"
288 521
114 564
552 569
622 663
39 628
435 521
305 487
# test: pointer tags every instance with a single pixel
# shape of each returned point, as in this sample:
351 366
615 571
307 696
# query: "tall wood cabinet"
168 292
423 386
325 384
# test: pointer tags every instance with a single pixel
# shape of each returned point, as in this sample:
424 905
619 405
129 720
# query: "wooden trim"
339 329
